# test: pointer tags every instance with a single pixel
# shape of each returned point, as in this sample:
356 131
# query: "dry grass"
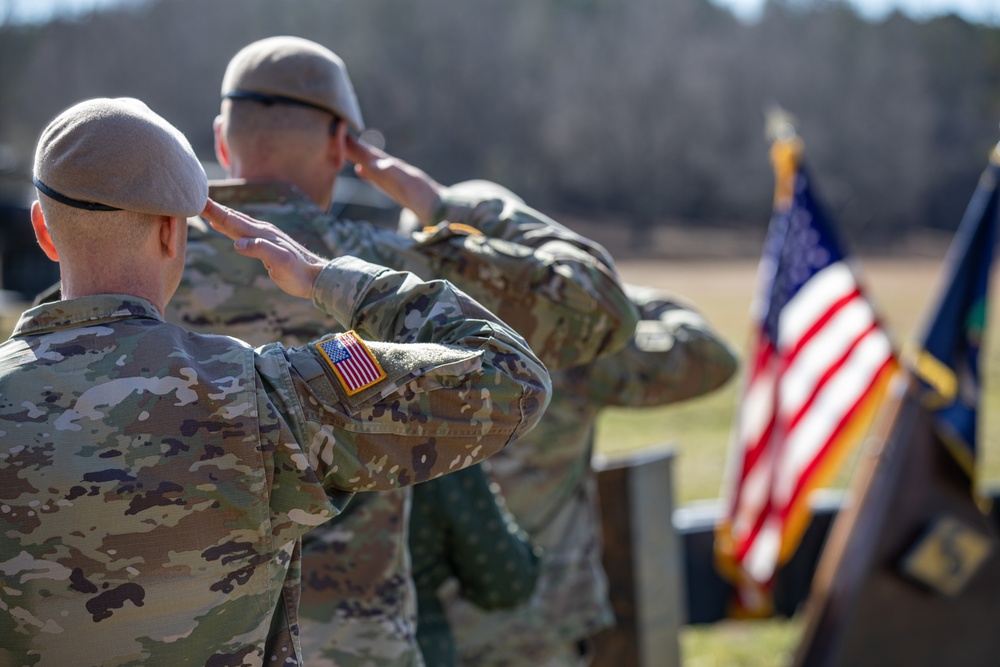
763 643
722 290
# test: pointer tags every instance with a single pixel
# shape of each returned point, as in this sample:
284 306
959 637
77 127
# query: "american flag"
817 368
352 361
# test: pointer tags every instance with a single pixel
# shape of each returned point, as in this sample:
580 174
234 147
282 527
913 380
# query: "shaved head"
99 242
273 134
297 145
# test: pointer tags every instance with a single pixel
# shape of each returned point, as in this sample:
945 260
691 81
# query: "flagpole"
848 551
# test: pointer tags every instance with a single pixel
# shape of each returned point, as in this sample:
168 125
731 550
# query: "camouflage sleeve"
558 289
674 355
456 383
298 502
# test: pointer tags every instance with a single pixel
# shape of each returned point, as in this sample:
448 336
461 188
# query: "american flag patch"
352 361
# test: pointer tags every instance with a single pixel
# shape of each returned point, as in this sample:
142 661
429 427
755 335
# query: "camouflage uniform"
547 481
358 606
154 483
555 288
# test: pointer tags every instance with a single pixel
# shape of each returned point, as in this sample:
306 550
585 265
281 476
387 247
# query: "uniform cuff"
341 285
451 210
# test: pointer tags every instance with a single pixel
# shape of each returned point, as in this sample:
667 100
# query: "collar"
237 192
84 311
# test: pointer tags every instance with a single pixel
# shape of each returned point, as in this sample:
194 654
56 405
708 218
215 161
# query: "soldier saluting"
284 135
155 483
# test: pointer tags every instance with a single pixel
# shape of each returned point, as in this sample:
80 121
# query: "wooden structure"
911 573
642 558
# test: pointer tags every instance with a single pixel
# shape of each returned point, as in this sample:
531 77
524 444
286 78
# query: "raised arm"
450 386
674 355
556 288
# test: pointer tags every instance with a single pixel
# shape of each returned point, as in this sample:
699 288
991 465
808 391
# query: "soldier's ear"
42 232
336 147
170 229
221 149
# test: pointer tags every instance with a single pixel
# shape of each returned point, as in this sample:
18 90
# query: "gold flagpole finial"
786 151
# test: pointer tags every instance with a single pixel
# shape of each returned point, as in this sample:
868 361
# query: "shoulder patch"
352 362
434 366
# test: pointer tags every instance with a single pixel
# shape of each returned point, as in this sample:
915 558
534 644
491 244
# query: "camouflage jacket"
557 289
154 483
461 529
547 481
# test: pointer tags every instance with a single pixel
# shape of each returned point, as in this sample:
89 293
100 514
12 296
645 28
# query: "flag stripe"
756 416
822 326
827 374
746 543
814 299
762 556
796 513
839 396
359 366
748 548
812 466
755 453
803 373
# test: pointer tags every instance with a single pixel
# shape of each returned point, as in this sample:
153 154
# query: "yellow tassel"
785 156
934 372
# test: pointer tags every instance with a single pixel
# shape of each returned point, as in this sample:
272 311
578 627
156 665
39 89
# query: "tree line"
634 112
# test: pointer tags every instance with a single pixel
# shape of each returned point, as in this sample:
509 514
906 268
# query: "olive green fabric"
459 528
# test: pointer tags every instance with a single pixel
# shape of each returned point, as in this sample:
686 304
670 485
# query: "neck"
316 187
76 284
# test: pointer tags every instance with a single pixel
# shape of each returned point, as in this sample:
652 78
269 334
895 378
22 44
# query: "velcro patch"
352 362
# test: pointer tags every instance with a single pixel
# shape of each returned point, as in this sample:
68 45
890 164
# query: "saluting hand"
293 268
411 187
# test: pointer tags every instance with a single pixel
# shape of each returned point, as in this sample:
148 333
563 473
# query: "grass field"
902 290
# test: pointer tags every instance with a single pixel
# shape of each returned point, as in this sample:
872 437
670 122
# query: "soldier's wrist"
341 285
438 213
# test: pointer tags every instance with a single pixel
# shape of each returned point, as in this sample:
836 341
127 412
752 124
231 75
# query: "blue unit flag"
947 361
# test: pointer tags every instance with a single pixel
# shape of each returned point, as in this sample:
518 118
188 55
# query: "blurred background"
632 113
637 122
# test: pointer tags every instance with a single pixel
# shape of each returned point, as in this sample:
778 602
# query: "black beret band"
69 201
273 99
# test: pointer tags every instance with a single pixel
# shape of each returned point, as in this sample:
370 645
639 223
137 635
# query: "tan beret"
292 70
116 154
